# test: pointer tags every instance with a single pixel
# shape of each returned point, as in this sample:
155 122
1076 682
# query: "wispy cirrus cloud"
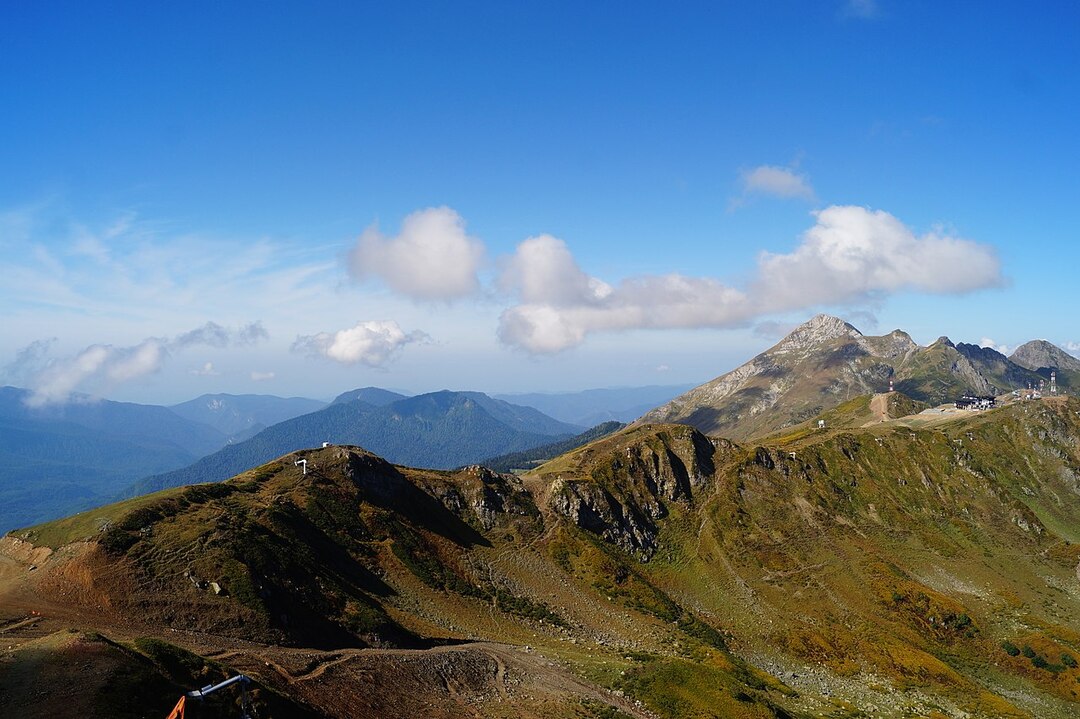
53 380
142 272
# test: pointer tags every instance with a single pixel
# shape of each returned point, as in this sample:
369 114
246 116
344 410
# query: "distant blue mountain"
59 459
593 406
439 430
372 395
239 416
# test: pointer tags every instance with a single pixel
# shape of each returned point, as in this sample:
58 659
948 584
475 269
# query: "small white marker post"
302 463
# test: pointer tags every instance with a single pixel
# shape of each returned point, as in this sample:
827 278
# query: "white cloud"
662 368
991 344
659 302
146 275
542 270
29 361
212 334
52 380
432 258
207 370
101 363
851 254
257 376
372 343
776 181
1072 348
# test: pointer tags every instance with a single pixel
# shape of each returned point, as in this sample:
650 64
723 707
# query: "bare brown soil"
50 667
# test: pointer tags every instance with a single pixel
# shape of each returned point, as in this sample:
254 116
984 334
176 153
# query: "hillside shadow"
384 486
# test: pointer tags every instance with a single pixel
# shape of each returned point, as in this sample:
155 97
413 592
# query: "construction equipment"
246 709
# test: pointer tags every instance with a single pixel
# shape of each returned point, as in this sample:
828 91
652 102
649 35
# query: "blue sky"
271 197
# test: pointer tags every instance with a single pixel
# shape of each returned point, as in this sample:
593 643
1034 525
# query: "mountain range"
827 548
591 407
61 458
58 459
438 429
827 361
889 565
67 457
239 416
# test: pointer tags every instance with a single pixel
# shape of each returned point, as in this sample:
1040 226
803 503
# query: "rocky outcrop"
826 362
627 491
821 363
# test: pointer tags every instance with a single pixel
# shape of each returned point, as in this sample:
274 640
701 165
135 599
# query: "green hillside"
917 566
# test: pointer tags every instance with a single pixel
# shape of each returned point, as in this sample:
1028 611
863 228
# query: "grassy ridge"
901 569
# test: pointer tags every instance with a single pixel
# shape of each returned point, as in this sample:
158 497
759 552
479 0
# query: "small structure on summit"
976 402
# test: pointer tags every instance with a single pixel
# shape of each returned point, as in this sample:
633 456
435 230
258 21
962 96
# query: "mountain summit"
827 361
1039 354
816 331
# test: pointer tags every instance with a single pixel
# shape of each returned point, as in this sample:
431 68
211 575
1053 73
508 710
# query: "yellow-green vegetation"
897 569
88 524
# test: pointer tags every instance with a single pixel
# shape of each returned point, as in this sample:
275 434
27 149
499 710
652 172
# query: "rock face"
825 362
822 363
630 487
1039 354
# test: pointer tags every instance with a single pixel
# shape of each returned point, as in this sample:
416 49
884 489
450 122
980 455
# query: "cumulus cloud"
777 182
262 376
561 304
52 380
1072 348
543 271
851 254
372 343
432 258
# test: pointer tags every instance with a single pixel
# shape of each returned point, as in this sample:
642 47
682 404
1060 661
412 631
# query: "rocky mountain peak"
816 331
1038 354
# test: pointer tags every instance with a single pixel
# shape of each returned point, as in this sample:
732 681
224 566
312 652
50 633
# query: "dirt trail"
879 408
473 679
